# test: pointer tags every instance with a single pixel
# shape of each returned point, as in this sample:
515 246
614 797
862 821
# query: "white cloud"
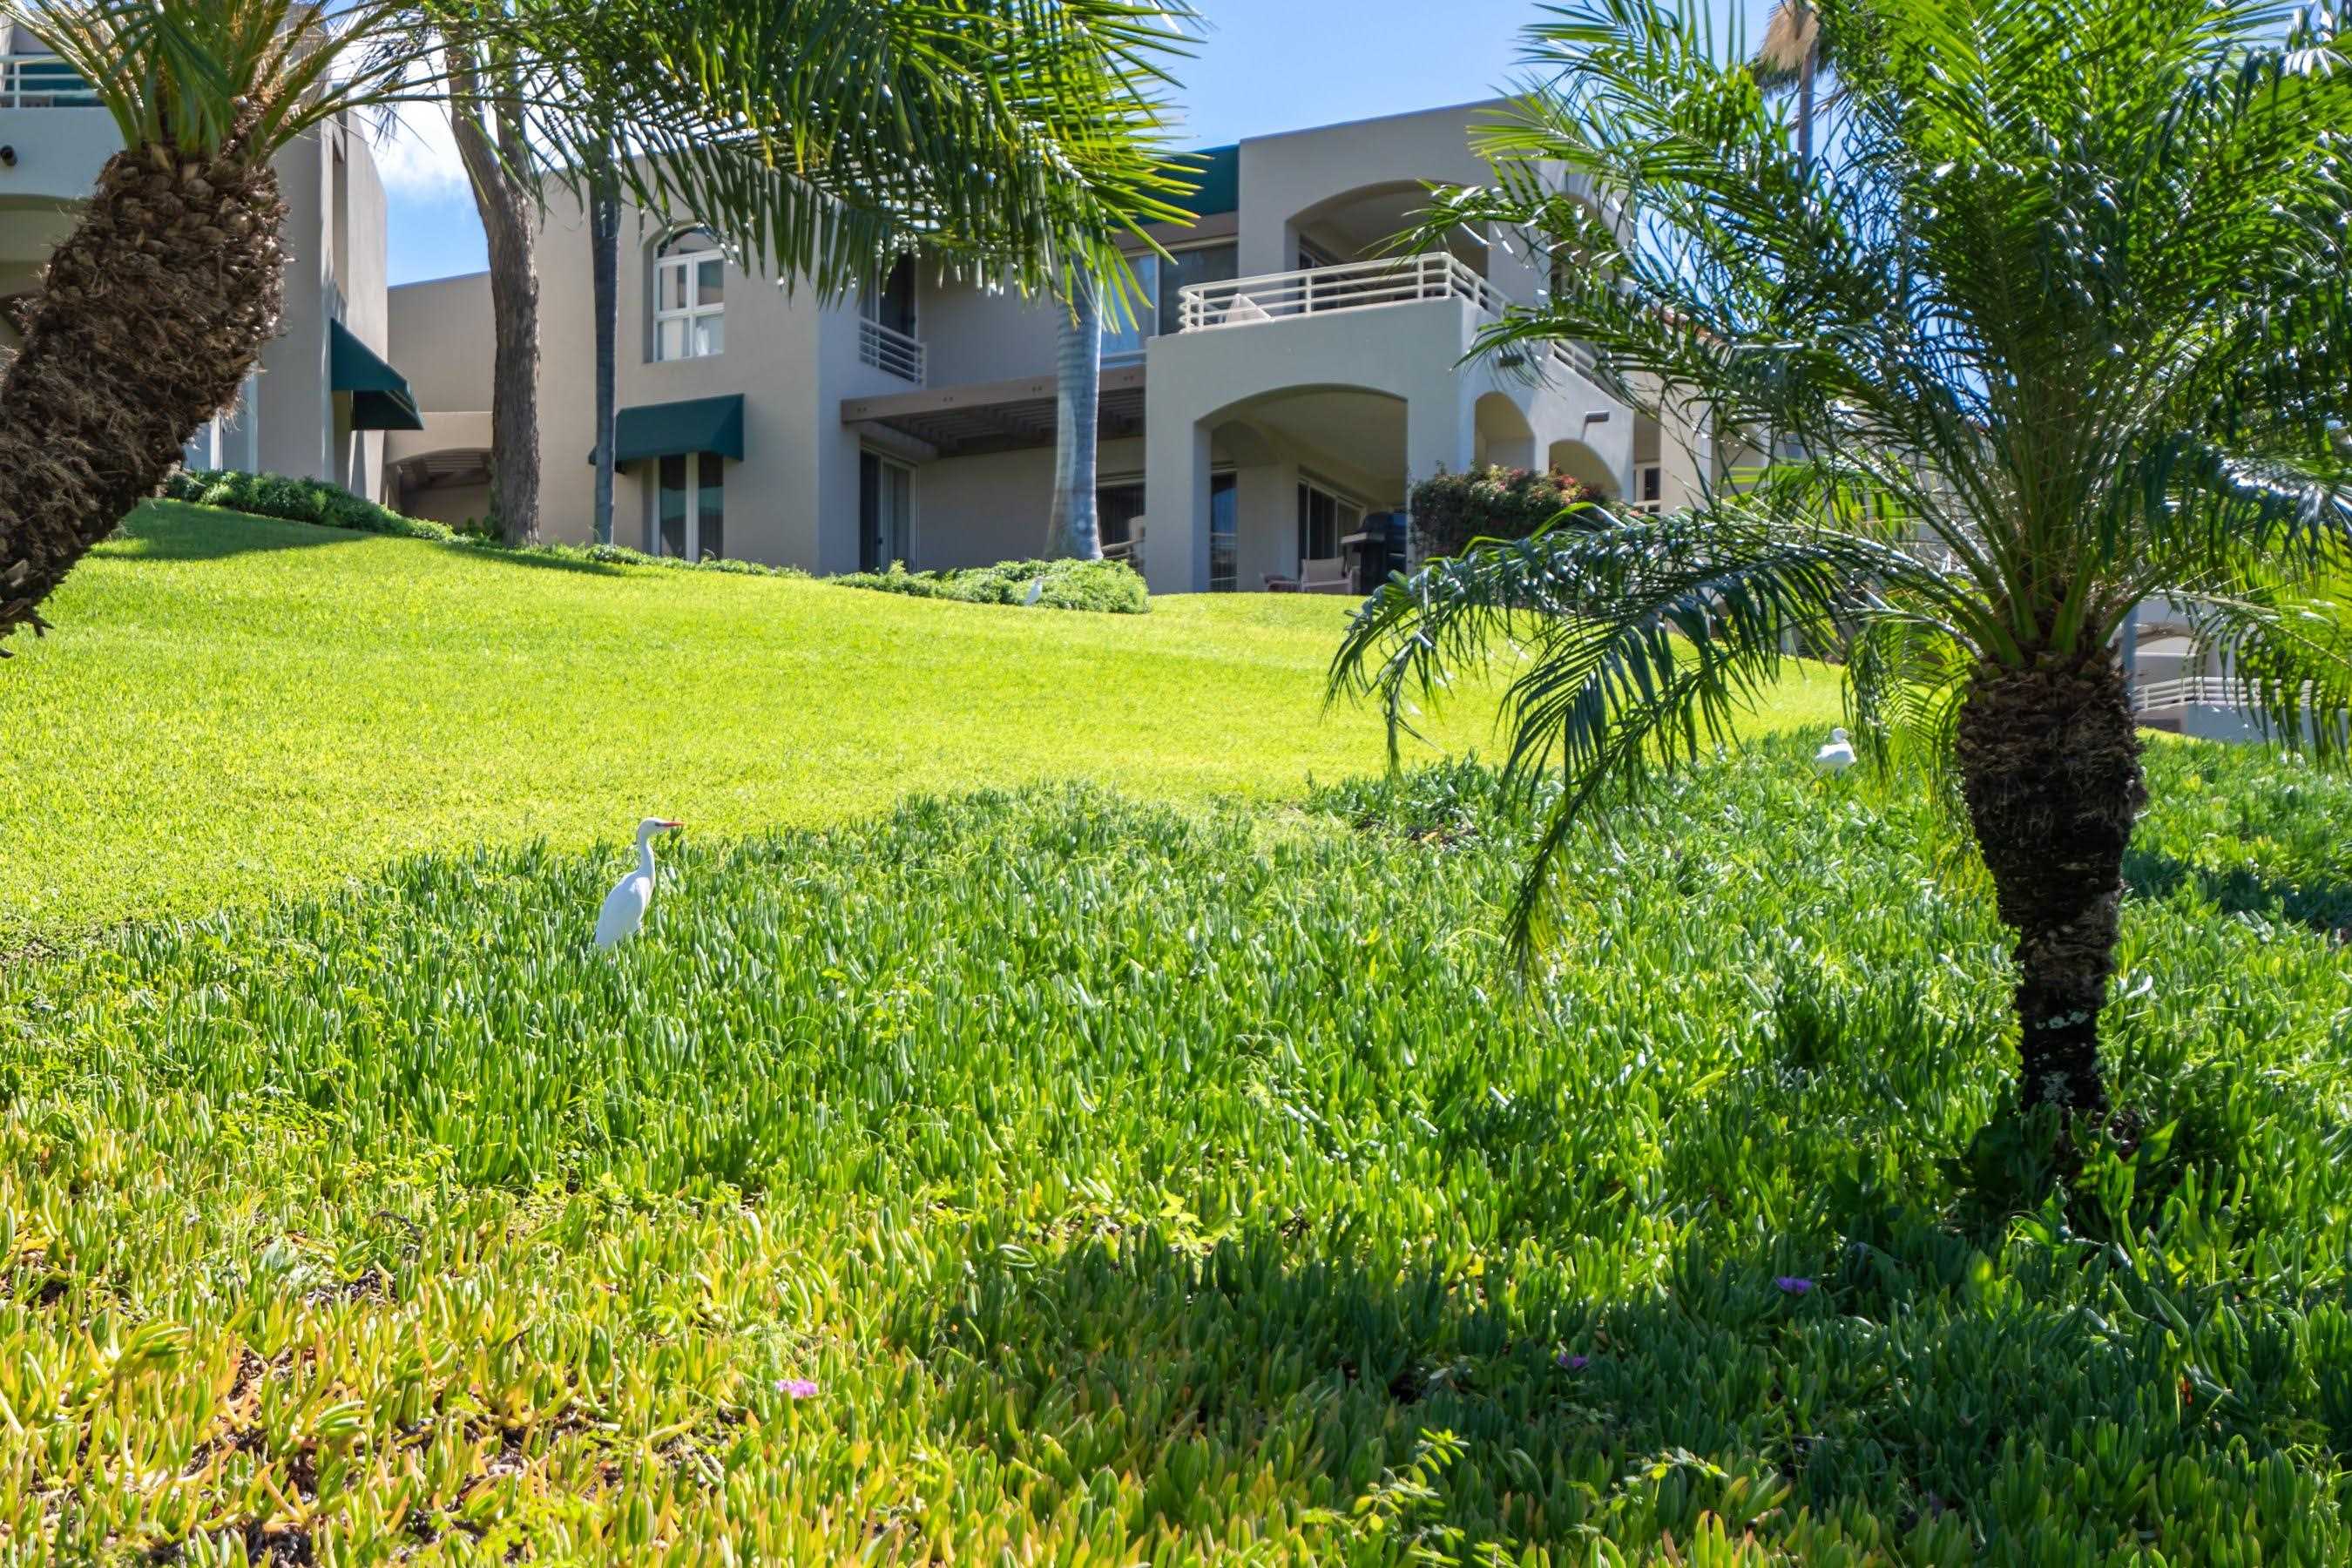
418 157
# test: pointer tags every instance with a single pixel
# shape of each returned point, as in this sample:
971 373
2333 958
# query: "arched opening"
1581 462
1307 488
1362 224
1505 437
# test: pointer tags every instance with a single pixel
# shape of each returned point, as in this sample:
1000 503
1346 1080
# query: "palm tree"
1072 529
2062 323
1017 138
157 303
1792 57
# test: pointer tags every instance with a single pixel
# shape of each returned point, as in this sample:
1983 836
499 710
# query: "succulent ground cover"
1058 1177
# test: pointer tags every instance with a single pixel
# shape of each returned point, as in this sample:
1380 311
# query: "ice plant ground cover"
1056 1177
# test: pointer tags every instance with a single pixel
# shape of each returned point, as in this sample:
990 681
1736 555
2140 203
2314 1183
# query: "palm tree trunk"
150 316
2049 761
604 273
1805 69
505 206
1072 530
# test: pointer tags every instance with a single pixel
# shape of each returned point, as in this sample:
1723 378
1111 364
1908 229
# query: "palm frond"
1637 643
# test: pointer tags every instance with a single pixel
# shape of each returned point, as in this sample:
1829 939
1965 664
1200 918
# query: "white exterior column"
1176 502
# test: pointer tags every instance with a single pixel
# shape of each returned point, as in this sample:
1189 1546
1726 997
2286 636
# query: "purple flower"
1790 1285
796 1387
1574 1362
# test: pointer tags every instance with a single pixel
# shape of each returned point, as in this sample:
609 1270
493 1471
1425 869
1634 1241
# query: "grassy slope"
232 707
1128 1184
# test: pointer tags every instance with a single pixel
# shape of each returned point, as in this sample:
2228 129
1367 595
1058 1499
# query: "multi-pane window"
689 520
689 297
1324 519
885 512
1200 264
1224 528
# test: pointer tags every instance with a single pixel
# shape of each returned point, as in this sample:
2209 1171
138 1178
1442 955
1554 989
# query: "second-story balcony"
1357 286
889 349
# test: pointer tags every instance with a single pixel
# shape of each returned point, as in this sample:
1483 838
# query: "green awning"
673 429
380 397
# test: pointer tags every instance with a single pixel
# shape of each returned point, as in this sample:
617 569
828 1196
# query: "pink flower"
796 1387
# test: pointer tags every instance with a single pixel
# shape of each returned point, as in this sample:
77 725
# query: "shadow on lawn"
1888 1385
2325 908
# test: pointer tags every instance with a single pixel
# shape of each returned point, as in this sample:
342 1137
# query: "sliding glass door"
689 508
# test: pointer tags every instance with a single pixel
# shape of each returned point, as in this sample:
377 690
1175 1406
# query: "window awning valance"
380 397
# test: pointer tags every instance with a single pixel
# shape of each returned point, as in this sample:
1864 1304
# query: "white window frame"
686 265
694 461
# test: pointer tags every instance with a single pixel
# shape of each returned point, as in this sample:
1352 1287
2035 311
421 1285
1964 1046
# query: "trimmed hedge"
1449 510
331 506
1105 588
298 500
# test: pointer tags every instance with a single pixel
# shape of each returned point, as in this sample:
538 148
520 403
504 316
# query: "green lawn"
232 707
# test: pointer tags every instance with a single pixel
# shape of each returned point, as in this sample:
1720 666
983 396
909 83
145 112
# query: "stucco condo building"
326 392
1287 379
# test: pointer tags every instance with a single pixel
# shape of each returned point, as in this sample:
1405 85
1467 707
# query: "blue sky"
1265 66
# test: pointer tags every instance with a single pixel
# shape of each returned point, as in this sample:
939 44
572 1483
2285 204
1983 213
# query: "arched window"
689 297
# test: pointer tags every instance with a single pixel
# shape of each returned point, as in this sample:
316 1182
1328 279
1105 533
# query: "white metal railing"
1357 286
42 81
888 349
2188 691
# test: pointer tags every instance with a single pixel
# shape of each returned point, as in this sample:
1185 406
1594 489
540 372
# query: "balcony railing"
42 81
1359 286
1356 286
888 349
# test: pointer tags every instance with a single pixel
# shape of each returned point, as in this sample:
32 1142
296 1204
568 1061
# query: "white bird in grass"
626 906
1835 757
1036 592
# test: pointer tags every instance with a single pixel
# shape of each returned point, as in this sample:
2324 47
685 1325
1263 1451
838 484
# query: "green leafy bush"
298 500
1108 587
1143 1179
331 506
1449 510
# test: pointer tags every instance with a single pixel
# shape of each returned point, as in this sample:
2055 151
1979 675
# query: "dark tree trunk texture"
506 208
147 322
604 273
2049 762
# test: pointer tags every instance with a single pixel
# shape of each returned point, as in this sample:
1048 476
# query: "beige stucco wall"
443 342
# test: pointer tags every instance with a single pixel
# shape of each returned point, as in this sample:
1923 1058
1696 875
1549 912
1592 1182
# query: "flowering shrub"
1449 510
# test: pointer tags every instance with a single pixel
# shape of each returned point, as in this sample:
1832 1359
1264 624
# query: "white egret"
1036 592
626 906
1835 757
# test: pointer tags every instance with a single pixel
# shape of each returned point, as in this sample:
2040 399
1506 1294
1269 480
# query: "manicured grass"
232 708
1055 1178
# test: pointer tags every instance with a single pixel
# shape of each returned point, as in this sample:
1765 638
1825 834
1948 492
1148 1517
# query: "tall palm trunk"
150 316
1073 528
505 206
1805 73
604 276
2049 762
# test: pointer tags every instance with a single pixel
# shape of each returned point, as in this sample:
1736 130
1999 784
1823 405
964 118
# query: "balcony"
1358 286
889 349
42 81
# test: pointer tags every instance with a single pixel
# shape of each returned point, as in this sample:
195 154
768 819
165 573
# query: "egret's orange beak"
673 825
